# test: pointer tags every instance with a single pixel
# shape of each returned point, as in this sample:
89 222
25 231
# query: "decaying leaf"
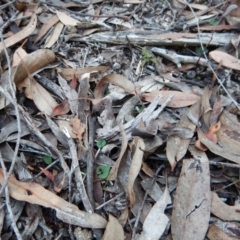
68 73
156 215
114 230
52 39
65 211
179 99
177 146
25 32
226 59
135 168
191 207
61 108
114 170
31 63
114 79
79 128
224 211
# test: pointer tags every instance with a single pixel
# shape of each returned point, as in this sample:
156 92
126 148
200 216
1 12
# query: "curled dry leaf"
24 33
114 171
224 211
61 109
226 59
65 211
191 207
180 99
135 168
211 133
115 79
31 63
114 230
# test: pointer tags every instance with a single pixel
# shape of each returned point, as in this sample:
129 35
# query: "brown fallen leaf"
114 230
176 146
45 27
226 59
31 63
67 20
135 168
215 233
224 211
41 97
211 133
114 171
67 73
54 36
24 33
191 207
79 128
34 193
180 99
73 83
61 108
115 79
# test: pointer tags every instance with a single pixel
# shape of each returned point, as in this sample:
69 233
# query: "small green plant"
200 51
147 57
103 171
47 159
137 110
101 143
214 22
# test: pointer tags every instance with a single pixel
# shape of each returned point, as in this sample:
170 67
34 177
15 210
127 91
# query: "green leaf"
47 159
101 143
103 171
107 92
214 22
200 51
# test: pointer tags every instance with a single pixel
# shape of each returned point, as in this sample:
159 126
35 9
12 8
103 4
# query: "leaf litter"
121 118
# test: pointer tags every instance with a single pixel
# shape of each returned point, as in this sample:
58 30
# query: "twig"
78 176
109 201
90 158
143 201
7 4
7 199
83 14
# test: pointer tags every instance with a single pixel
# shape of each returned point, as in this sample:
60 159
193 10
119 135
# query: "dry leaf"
64 124
67 73
179 99
114 79
215 233
79 128
47 173
19 54
73 83
32 62
156 215
41 97
114 230
54 36
211 133
67 20
45 27
114 171
226 59
34 193
191 207
176 146
224 211
24 33
135 168
61 109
